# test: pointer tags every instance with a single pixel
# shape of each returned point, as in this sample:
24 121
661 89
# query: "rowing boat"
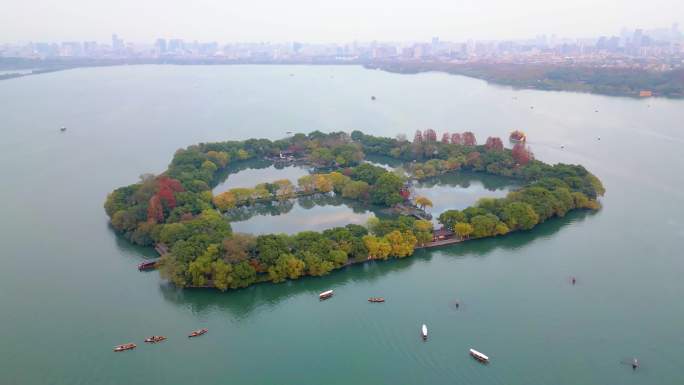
124 347
198 332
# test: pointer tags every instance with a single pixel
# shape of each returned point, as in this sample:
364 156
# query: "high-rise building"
117 44
71 48
175 45
637 40
90 47
675 34
160 45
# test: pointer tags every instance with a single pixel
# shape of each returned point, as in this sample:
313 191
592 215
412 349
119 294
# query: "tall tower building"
117 44
161 45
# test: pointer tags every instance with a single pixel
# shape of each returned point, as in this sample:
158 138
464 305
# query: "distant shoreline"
545 77
600 81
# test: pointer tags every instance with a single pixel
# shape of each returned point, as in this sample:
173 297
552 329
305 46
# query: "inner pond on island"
316 213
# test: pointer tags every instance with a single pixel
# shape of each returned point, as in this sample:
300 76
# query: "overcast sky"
326 20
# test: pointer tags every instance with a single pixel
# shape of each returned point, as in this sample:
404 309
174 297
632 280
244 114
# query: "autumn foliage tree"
423 202
418 138
469 139
430 135
494 143
446 138
456 138
164 198
155 211
521 154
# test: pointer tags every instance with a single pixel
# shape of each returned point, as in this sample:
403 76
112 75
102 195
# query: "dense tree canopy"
178 209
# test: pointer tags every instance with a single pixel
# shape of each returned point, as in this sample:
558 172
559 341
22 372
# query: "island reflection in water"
462 189
252 172
311 213
324 211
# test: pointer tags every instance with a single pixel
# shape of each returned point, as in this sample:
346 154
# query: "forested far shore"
178 209
556 77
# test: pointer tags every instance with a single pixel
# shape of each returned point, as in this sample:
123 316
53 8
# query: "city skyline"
550 36
302 20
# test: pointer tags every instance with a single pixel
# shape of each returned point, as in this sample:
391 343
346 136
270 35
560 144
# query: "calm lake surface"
458 191
69 288
303 214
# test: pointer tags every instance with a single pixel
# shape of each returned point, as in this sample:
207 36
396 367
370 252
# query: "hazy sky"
325 20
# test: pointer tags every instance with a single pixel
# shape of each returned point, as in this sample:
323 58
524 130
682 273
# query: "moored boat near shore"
198 332
479 356
376 299
325 295
124 347
424 332
147 265
155 339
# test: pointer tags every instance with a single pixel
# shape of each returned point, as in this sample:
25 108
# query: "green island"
177 212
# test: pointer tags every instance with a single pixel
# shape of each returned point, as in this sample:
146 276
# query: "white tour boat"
479 356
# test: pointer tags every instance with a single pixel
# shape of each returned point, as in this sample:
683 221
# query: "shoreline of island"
179 210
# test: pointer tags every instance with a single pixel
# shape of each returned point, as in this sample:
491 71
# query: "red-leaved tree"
430 135
456 138
445 138
469 138
494 143
155 211
418 138
164 198
522 154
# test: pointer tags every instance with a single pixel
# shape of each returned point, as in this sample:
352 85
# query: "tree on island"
430 135
494 143
463 230
423 202
469 139
521 154
386 190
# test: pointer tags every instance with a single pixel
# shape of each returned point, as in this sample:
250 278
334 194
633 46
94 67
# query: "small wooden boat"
198 332
376 299
423 332
63 129
154 339
325 295
124 347
479 356
147 265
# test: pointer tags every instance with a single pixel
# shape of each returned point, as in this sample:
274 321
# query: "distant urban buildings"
657 49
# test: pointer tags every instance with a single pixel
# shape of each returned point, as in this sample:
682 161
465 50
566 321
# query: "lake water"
458 191
261 173
69 288
303 214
